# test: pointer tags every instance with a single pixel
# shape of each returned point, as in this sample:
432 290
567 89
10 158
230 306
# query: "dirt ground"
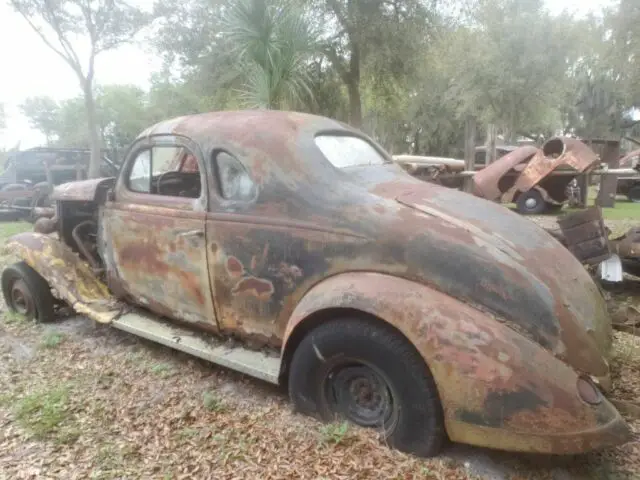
84 401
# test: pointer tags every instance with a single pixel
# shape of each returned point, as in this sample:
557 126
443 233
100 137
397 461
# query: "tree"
596 102
624 35
272 43
198 71
507 67
104 24
378 33
42 113
122 113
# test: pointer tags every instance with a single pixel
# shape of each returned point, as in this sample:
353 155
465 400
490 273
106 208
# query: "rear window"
346 151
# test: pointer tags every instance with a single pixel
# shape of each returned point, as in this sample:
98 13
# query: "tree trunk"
355 105
353 86
92 125
416 142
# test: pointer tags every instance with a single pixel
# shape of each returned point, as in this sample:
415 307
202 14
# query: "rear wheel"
553 208
370 375
634 194
531 203
27 293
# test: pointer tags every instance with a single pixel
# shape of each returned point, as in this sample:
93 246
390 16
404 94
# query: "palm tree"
273 43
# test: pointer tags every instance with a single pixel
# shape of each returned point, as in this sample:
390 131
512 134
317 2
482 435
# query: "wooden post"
609 183
469 150
491 144
584 181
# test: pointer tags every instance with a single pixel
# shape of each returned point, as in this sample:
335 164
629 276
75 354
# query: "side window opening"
166 170
234 181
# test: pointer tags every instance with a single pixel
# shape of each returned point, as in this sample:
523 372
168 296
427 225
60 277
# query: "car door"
247 253
155 230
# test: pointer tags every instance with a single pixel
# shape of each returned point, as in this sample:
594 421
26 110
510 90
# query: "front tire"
27 293
370 375
531 203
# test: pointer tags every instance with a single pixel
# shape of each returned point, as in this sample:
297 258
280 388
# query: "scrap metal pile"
535 179
586 236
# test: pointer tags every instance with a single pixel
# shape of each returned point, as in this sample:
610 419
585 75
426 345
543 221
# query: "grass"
13 318
46 414
212 402
623 209
334 433
164 370
51 340
8 229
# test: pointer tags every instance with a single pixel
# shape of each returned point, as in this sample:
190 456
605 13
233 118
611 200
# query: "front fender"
498 388
70 278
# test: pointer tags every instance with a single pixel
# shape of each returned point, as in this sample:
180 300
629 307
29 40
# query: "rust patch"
257 287
234 267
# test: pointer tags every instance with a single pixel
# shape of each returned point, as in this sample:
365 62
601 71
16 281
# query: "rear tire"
634 194
531 203
27 293
553 208
370 375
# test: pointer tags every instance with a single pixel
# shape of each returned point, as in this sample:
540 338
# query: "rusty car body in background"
522 176
30 175
630 186
443 170
394 303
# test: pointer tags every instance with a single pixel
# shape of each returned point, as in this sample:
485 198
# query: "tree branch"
72 58
67 59
337 63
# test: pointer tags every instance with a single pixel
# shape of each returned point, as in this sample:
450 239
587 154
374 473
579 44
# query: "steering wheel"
161 178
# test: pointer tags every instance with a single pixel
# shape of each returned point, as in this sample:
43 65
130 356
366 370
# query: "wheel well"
316 318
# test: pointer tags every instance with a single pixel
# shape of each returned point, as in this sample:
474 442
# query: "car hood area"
489 257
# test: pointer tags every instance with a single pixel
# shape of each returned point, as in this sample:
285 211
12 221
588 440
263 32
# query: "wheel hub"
362 396
21 299
531 202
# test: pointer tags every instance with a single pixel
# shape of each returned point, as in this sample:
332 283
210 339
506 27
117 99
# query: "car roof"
238 122
286 138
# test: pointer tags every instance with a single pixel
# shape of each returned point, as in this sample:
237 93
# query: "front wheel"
531 203
369 375
27 293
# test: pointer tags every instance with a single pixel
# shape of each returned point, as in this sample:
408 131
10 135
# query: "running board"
250 362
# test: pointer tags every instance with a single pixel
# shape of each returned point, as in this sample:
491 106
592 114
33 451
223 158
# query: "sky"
29 68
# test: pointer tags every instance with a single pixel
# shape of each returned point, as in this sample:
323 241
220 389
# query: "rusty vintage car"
411 308
629 186
523 175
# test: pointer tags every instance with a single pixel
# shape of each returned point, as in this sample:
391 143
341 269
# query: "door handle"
192 233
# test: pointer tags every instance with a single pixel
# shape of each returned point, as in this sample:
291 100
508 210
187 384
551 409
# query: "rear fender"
70 278
498 388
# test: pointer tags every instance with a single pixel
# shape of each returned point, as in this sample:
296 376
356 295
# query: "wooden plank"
469 150
609 183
